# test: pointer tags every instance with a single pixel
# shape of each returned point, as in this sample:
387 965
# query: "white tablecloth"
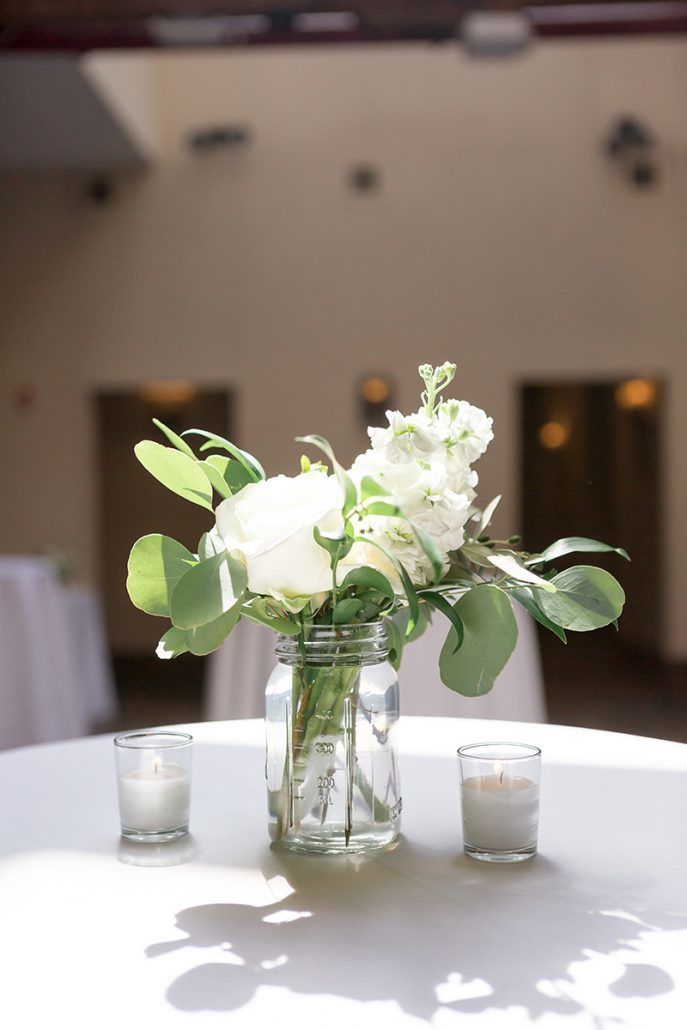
238 672
55 672
94 667
590 935
39 688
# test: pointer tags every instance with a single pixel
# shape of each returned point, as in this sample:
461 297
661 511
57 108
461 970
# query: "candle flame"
157 764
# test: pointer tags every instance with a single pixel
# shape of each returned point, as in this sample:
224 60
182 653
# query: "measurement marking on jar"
324 715
324 749
325 781
323 799
397 809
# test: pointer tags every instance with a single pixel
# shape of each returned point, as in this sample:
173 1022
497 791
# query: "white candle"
154 798
500 812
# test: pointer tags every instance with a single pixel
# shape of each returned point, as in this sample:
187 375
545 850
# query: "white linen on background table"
237 673
94 666
40 697
589 935
55 670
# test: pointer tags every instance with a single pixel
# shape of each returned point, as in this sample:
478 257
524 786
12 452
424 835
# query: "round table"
221 929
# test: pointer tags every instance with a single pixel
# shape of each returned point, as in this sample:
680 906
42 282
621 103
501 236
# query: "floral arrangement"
395 537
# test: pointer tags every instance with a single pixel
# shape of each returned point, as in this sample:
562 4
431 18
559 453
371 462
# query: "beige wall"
501 239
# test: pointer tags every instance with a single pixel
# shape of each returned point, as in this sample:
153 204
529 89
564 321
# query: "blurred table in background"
55 673
238 671
94 667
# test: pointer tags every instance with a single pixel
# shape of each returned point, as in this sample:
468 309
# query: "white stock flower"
466 430
424 464
269 525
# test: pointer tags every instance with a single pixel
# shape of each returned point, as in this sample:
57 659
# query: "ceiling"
80 25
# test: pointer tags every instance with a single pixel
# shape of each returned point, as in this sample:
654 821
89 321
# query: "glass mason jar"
331 716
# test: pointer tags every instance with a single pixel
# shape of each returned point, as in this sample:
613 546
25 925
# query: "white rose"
269 525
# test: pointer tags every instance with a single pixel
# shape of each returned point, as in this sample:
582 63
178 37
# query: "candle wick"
501 776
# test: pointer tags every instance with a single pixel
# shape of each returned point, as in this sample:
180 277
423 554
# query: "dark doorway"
591 466
132 503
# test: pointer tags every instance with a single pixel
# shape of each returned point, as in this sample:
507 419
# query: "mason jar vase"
331 720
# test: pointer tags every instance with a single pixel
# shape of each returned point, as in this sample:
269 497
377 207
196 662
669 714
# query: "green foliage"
175 470
364 576
586 598
439 602
174 439
572 545
526 598
266 612
207 638
369 487
172 644
217 481
396 636
408 587
206 591
210 544
490 633
200 641
337 547
250 464
234 474
345 611
156 564
485 517
516 570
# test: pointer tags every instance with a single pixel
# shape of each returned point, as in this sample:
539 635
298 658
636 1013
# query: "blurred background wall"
497 235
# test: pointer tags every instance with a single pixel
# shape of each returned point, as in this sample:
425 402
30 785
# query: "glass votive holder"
154 784
500 800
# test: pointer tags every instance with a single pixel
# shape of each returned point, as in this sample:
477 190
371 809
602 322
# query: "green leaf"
210 544
259 610
526 598
345 481
586 598
337 547
572 545
346 611
172 644
207 638
396 640
513 568
490 634
477 554
179 473
174 439
369 487
368 577
424 619
486 516
408 588
156 564
431 550
215 479
382 508
251 464
208 590
232 472
439 602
